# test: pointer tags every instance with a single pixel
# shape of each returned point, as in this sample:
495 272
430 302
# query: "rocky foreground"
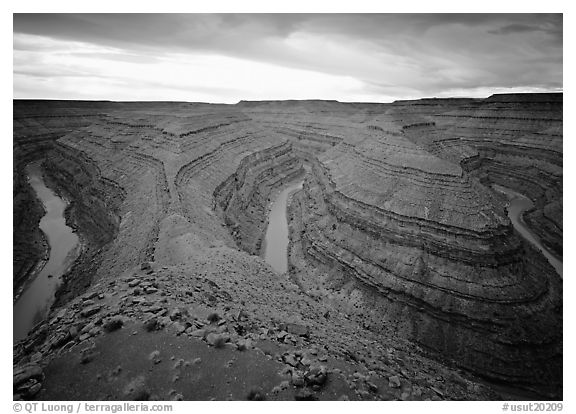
406 281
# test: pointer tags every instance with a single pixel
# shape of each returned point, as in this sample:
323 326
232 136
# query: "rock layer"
245 196
512 140
37 125
396 232
463 292
422 248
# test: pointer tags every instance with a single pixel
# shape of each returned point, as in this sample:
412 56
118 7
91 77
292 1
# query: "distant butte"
406 277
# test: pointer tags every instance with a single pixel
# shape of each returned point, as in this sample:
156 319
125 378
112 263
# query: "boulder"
91 310
290 360
217 340
317 375
296 329
394 381
26 372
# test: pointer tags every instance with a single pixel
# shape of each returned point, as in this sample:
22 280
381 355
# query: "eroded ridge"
452 272
36 125
397 209
512 140
396 238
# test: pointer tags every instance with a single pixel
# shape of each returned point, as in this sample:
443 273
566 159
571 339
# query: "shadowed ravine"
34 303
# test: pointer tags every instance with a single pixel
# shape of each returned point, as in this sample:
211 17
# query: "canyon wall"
396 228
397 224
440 261
245 196
93 212
36 126
511 140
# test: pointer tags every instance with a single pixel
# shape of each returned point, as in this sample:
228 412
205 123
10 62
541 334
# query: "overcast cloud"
225 58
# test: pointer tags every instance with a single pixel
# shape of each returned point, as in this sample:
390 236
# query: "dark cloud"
515 28
429 53
232 31
174 31
551 25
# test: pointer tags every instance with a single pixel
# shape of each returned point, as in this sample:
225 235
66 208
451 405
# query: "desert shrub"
255 395
151 325
219 341
213 317
113 324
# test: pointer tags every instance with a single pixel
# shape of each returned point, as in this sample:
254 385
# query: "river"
34 303
276 240
518 204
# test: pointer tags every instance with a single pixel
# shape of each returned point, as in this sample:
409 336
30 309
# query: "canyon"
406 279
35 302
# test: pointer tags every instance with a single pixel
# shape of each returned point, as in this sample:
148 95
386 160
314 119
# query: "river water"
518 203
276 240
34 303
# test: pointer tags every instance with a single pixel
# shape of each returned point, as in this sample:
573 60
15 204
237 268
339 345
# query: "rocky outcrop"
221 326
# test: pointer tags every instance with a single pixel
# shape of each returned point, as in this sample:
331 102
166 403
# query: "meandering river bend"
518 204
38 295
276 240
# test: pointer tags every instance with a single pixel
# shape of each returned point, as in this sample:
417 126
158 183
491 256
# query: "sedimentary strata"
397 239
37 125
512 140
405 212
449 267
246 194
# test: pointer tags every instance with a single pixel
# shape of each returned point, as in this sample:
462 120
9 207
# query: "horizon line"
286 100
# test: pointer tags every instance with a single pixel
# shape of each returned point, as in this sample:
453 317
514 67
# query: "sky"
230 57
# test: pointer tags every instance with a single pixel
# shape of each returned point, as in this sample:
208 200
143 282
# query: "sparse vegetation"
151 325
113 324
256 395
213 317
